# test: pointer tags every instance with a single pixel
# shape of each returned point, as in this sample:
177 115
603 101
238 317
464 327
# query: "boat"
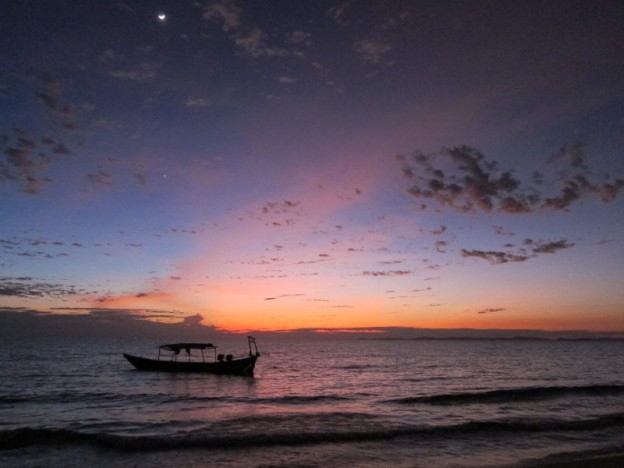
184 357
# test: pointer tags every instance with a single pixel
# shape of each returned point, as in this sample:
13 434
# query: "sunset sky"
314 164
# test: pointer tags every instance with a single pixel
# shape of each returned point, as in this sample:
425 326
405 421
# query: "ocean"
326 401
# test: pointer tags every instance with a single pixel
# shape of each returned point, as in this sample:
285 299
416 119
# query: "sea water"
314 402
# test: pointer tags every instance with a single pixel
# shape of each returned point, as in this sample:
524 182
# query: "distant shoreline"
20 324
485 338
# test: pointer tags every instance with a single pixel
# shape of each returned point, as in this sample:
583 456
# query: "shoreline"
607 458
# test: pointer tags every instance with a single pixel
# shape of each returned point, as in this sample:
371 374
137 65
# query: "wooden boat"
170 359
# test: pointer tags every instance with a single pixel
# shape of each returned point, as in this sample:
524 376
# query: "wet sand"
604 460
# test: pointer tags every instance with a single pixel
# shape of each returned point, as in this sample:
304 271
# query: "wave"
156 398
25 437
302 399
484 397
512 395
285 400
357 367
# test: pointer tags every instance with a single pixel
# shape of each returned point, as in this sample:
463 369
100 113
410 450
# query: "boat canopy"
177 347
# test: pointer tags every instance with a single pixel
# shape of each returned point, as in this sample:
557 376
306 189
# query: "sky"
276 165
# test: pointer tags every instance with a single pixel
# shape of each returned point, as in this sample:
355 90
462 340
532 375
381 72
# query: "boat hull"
243 366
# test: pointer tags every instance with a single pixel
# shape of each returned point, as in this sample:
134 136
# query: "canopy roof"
176 347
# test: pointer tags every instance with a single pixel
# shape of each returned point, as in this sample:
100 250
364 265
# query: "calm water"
316 402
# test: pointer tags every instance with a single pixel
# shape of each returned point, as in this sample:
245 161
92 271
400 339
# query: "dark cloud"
573 154
27 287
101 179
51 91
489 311
193 320
550 247
50 97
528 249
605 241
462 179
387 273
499 230
141 178
23 162
282 296
286 206
273 209
493 257
20 322
24 157
124 315
440 246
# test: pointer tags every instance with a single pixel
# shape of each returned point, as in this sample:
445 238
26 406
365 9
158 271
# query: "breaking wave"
203 439
513 395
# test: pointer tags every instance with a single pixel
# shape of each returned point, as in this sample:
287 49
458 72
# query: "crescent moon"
162 16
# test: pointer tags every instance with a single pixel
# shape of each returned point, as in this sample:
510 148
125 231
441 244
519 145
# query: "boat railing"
176 349
252 341
173 352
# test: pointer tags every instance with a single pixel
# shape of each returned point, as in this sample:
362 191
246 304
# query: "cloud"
26 157
50 94
572 153
372 50
27 287
20 322
196 102
23 162
463 180
145 71
252 41
282 296
101 179
193 320
254 44
440 246
500 231
287 206
494 257
540 247
338 13
287 79
529 249
224 11
374 47
491 310
301 37
387 273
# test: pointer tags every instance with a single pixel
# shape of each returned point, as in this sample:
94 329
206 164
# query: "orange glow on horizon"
232 311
